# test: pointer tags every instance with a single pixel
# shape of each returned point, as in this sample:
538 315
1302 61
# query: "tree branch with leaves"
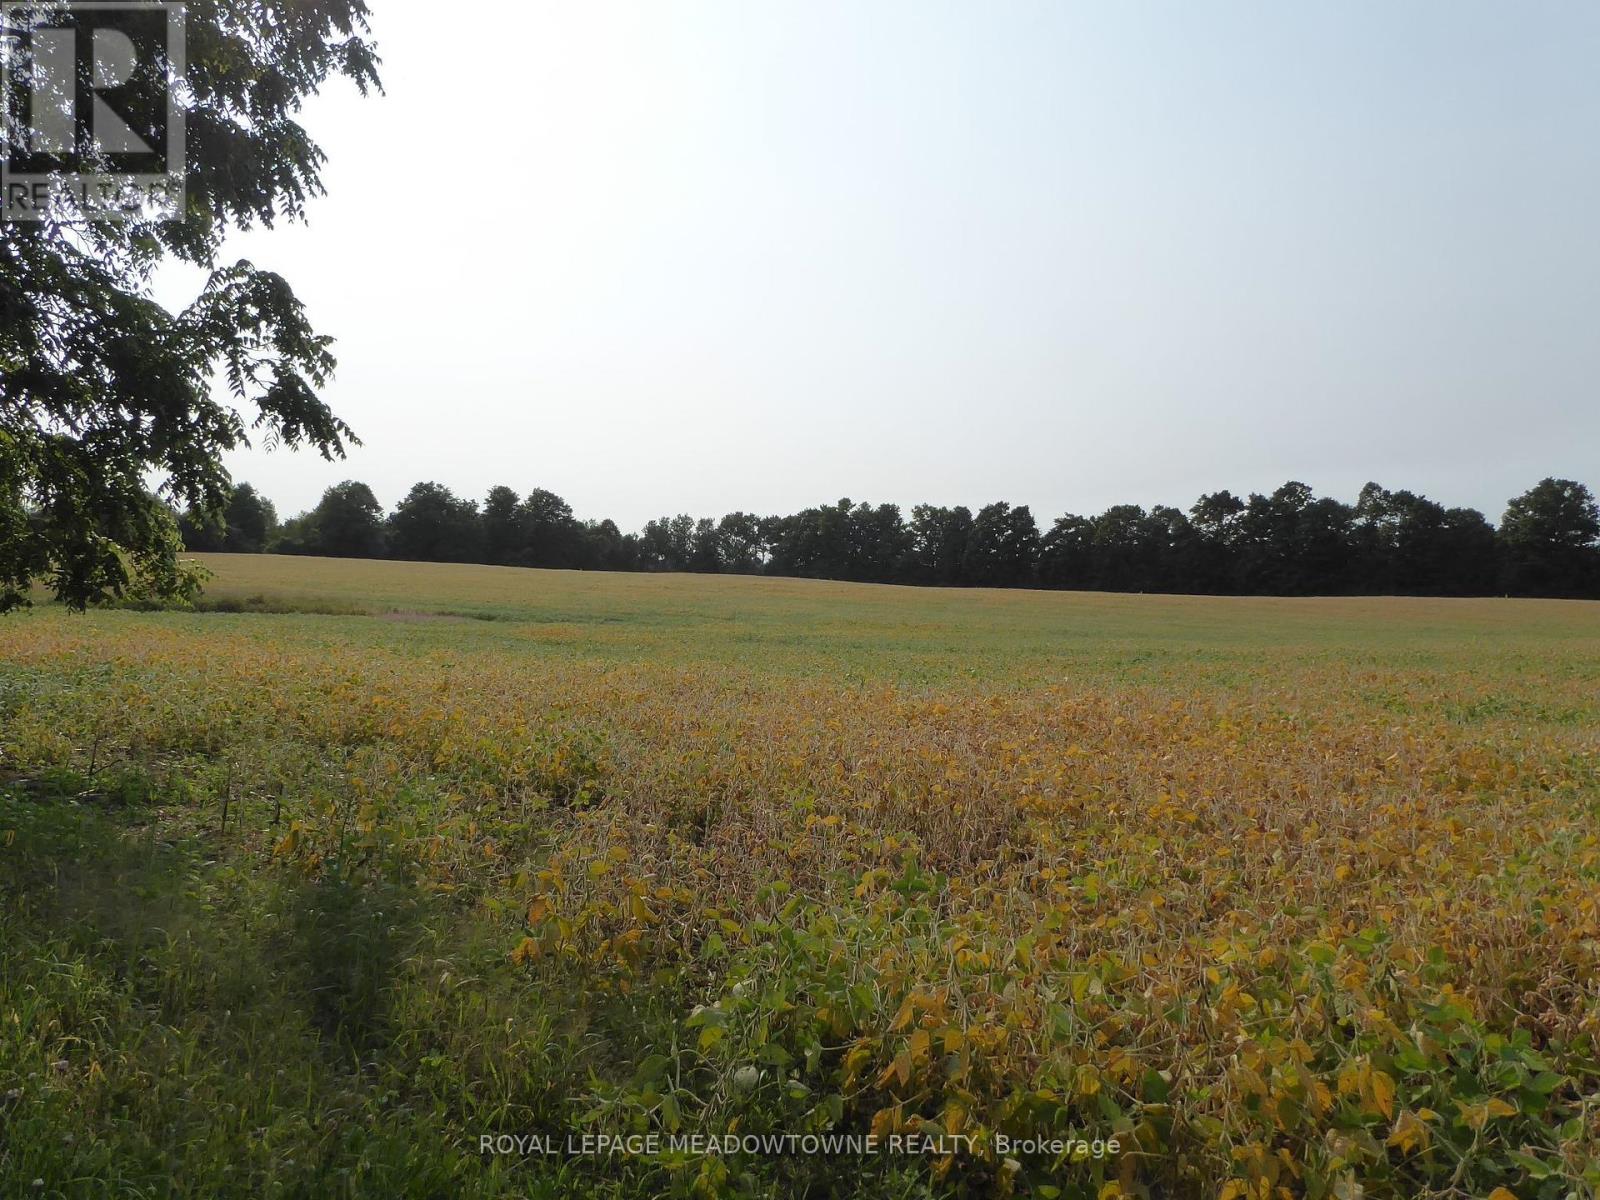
102 389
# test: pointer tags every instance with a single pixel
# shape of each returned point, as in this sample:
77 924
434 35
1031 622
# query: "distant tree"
607 548
549 531
680 531
876 543
1407 544
1217 521
742 543
243 527
937 544
1002 547
297 535
1550 535
1291 543
1379 523
502 527
1467 553
1266 537
202 533
783 535
827 544
1217 517
667 544
347 523
655 545
1185 560
1322 549
433 525
812 543
845 540
1066 554
705 555
1126 547
251 521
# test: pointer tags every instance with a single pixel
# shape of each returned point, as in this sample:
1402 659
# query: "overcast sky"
683 255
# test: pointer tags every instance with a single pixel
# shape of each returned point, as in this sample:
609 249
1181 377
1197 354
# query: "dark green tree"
667 544
812 543
742 543
1288 543
244 527
1406 544
1468 553
1216 520
1384 522
102 387
346 523
432 524
1292 544
1126 548
202 533
550 533
502 527
1185 556
297 535
1066 554
655 545
1323 549
877 543
1002 547
251 520
1216 517
825 541
607 548
1266 537
937 546
705 557
1551 539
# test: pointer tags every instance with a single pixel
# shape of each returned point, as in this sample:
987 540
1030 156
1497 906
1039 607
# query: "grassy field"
309 893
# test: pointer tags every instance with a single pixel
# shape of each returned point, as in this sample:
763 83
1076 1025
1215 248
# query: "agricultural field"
382 879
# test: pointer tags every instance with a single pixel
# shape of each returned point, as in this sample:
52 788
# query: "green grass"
873 632
173 1025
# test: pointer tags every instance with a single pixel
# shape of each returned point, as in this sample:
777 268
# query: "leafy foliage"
1288 543
101 386
432 525
1550 536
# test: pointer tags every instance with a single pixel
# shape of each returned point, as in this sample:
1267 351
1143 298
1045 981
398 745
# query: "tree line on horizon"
1289 542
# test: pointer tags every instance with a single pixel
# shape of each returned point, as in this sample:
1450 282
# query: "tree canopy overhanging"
102 389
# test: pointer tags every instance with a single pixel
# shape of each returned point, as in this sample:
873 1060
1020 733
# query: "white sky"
705 255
